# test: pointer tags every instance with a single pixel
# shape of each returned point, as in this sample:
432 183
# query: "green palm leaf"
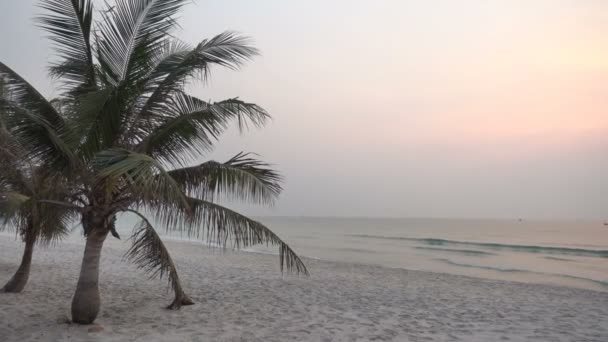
129 31
242 177
11 203
141 175
69 24
99 119
12 160
46 221
149 253
190 126
33 120
54 207
218 224
27 96
181 64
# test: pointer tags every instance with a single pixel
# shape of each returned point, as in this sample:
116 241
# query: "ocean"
566 253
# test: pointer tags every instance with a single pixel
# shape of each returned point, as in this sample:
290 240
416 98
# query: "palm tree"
125 131
22 188
35 220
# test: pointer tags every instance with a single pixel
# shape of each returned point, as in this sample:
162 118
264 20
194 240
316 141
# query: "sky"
405 108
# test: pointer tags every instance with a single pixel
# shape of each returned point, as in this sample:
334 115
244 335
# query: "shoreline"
575 282
244 297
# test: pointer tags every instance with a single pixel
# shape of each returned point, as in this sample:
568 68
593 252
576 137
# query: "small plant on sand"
124 132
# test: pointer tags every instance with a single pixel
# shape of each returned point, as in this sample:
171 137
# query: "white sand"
242 297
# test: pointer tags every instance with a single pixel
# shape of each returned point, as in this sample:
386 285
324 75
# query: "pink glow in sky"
476 108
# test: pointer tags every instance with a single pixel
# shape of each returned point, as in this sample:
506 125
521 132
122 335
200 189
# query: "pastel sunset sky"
434 108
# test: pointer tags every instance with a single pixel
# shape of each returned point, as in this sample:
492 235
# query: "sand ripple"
242 297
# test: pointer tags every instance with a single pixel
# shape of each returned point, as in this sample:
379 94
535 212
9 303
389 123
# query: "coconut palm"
24 206
22 187
126 133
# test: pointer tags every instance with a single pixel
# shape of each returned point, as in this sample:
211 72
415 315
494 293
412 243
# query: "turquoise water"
564 253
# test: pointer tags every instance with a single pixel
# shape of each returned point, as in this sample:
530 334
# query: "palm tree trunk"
181 298
86 301
20 278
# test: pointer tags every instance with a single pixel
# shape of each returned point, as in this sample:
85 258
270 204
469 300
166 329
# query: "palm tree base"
20 278
15 285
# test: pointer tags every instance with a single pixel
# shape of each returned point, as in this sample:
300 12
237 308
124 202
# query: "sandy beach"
243 297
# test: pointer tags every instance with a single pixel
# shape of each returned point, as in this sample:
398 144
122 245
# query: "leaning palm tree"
125 133
25 206
23 186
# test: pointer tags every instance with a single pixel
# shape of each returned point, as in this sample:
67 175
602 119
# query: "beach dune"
244 297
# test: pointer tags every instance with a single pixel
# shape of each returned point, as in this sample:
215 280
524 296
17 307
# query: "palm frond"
33 120
243 112
191 126
12 207
42 140
27 96
12 201
143 176
9 151
54 223
13 163
242 177
35 210
54 208
169 57
4 94
218 224
14 179
106 114
69 24
149 253
171 73
130 30
228 49
99 119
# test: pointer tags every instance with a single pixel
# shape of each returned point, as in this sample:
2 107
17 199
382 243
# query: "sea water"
567 253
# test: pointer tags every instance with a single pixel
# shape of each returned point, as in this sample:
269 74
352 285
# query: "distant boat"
605 223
